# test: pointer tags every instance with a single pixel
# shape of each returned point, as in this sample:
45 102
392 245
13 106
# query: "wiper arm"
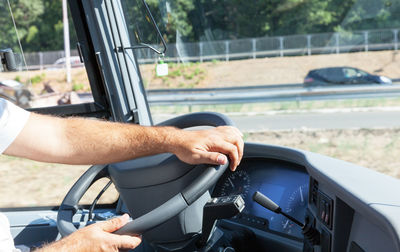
144 45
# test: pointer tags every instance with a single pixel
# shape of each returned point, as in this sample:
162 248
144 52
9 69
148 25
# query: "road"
325 120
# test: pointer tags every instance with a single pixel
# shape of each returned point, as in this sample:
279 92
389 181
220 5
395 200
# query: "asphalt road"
330 120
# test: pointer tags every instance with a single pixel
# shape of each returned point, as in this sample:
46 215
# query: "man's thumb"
115 223
214 158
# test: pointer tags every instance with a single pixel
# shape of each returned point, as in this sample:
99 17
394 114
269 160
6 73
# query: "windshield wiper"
144 45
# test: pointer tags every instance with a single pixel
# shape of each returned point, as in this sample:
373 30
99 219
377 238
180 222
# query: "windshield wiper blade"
144 45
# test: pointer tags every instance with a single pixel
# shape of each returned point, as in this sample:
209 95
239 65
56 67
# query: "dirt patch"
377 149
27 183
282 70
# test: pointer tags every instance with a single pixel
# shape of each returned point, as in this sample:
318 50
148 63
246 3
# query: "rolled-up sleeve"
12 121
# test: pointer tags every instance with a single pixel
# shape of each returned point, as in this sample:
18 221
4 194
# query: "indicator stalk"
218 208
308 231
272 206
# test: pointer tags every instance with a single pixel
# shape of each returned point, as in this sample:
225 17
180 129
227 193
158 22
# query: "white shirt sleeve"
6 240
12 121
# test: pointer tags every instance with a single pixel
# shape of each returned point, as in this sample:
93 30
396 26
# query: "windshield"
315 75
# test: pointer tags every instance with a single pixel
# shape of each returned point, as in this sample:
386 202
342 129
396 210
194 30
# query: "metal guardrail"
256 94
195 90
253 94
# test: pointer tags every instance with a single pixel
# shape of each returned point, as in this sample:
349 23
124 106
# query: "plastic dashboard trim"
354 194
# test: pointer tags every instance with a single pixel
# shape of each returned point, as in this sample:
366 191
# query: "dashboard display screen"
283 182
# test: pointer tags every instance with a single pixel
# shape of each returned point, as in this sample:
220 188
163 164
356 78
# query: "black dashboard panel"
284 182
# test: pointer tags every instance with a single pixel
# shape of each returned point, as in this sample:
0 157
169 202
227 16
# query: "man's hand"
97 237
206 146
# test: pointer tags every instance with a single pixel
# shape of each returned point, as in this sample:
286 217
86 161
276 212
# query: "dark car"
342 75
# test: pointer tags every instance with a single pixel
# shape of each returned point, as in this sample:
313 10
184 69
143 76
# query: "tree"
25 13
50 25
40 24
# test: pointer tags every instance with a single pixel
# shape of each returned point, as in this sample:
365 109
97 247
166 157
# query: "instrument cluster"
283 182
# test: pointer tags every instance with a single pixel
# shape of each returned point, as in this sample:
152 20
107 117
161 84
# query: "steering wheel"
165 211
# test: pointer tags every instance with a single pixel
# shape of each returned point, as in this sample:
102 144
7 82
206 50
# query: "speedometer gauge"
236 183
296 207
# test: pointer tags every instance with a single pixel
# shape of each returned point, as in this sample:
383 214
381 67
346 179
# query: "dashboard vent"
314 191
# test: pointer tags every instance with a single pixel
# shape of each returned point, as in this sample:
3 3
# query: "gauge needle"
301 195
286 224
230 181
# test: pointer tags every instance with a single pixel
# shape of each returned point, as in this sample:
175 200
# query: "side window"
335 74
361 73
350 72
324 73
40 80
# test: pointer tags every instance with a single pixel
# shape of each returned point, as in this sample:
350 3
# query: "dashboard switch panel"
325 209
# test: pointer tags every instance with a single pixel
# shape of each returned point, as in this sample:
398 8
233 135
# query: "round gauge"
296 206
236 183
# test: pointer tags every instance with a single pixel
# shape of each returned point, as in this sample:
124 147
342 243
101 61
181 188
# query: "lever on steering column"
309 232
218 208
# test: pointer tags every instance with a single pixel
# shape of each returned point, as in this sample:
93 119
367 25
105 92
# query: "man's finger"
240 146
114 224
239 143
232 151
234 136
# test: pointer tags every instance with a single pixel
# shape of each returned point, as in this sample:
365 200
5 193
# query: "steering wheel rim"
167 210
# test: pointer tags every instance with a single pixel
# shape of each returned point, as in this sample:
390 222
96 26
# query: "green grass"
245 136
188 75
37 79
280 106
78 87
318 147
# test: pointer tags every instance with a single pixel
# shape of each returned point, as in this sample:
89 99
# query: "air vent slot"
314 192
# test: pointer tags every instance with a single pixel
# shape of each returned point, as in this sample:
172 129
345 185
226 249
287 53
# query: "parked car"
61 62
16 92
342 75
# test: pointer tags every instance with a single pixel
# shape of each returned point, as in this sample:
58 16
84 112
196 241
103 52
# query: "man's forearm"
85 141
103 142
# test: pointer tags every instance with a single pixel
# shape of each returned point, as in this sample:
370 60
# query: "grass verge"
289 106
